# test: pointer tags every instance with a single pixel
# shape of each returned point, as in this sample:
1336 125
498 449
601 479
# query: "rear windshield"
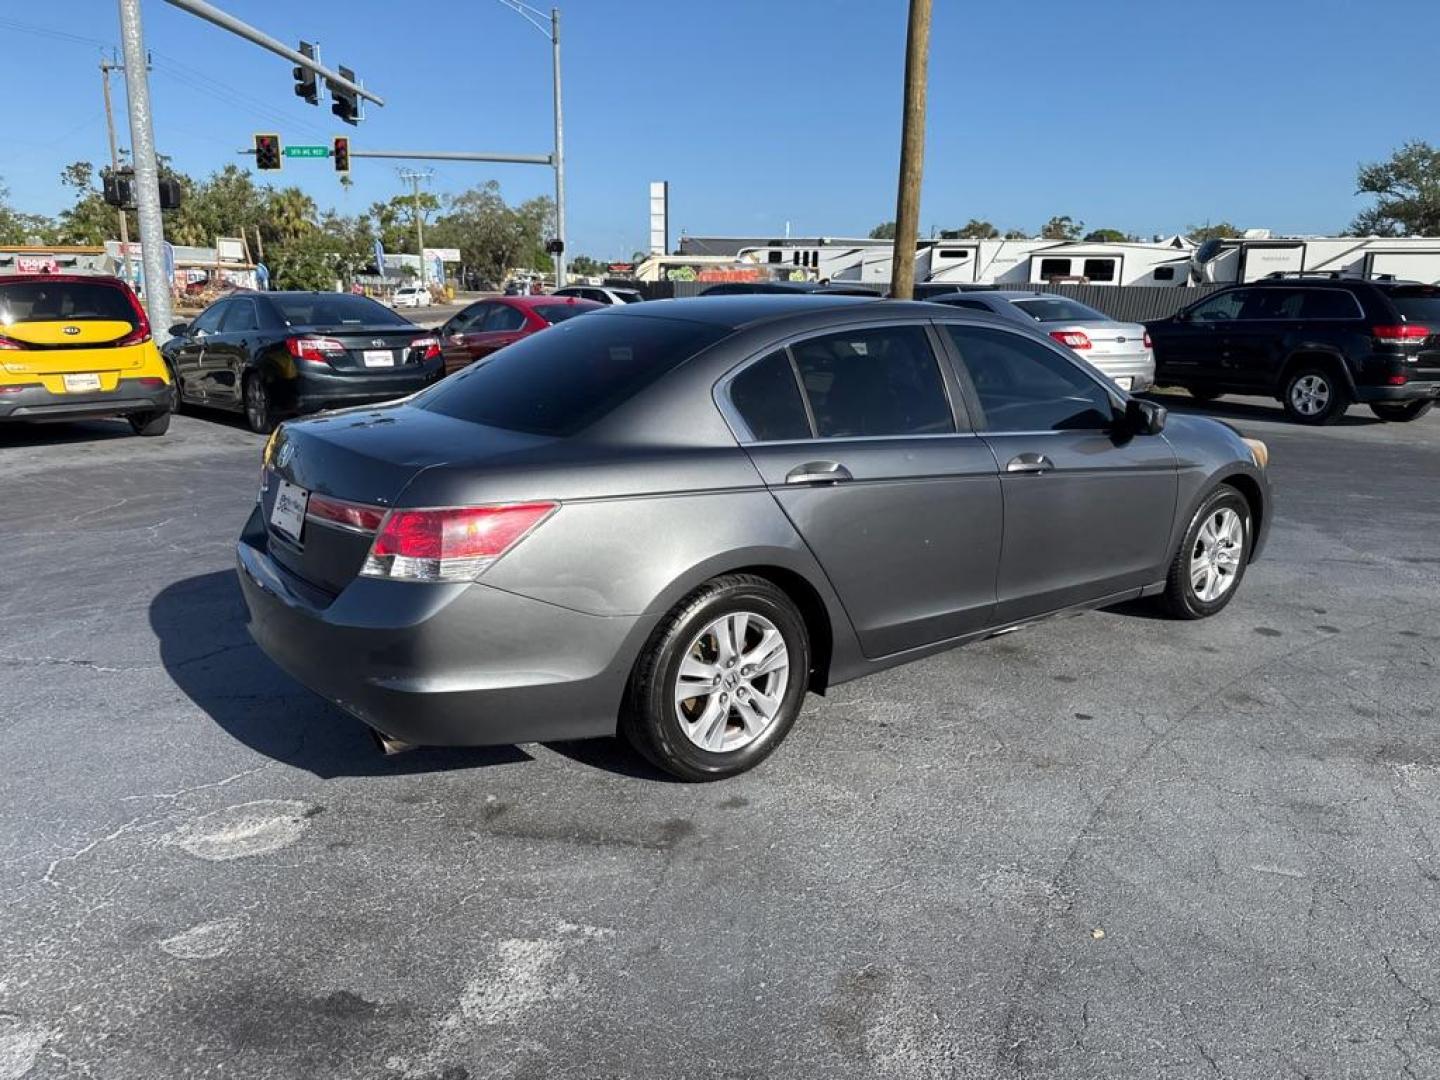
70 301
553 313
1059 309
334 310
630 297
1418 303
562 381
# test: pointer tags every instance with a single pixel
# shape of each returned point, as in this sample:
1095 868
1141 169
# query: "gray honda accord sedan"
672 520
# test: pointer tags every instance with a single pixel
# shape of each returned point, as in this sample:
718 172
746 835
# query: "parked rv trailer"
1410 258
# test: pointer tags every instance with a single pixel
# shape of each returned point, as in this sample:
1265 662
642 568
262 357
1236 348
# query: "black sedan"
675 519
272 355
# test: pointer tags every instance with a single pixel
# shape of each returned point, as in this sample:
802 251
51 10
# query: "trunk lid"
1107 338
379 349
368 456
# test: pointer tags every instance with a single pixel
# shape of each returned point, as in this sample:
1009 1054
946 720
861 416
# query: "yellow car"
75 347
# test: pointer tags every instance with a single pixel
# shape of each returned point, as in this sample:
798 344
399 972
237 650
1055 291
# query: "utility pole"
415 177
559 151
107 66
912 152
147 170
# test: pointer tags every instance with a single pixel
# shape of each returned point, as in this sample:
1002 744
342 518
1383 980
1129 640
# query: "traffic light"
170 193
340 153
119 190
345 103
267 152
307 83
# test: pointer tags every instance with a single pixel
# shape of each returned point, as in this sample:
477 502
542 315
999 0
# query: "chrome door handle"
818 472
1029 463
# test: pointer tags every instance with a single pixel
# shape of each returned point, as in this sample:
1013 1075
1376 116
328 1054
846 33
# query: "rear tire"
1401 412
1315 396
177 399
150 423
1207 569
743 697
259 409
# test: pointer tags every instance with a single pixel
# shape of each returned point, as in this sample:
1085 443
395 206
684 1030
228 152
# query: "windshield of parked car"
334 310
1059 309
72 301
1418 303
553 313
562 381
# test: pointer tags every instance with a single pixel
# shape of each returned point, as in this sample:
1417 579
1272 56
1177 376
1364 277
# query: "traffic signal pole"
147 171
559 152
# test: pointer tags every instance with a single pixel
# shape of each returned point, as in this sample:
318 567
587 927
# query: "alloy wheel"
1215 558
1310 395
257 405
732 681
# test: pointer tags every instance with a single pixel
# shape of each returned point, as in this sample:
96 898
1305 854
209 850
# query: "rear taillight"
454 544
10 343
1397 380
315 350
430 345
1074 339
1402 332
1146 340
141 333
348 515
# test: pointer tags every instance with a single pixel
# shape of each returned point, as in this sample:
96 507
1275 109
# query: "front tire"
1207 569
721 680
259 408
1400 412
1315 396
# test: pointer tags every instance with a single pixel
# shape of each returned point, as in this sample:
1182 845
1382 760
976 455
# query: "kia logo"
72 330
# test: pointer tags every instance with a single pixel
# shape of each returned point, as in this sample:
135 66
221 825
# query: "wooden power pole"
912 152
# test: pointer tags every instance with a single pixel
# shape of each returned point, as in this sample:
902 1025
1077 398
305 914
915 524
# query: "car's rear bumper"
129 398
442 665
1411 391
335 390
1138 368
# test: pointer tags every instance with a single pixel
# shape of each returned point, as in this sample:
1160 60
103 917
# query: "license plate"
1124 382
379 358
79 384
287 513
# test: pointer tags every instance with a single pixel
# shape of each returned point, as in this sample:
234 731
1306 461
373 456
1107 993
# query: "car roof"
541 301
743 310
108 279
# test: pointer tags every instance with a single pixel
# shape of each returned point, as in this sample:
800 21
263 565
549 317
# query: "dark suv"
1317 344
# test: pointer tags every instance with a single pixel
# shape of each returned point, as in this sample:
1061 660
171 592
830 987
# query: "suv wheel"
721 680
1401 412
1314 396
1207 569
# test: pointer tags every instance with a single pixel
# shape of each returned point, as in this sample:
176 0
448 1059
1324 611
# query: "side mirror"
1144 417
1181 316
179 329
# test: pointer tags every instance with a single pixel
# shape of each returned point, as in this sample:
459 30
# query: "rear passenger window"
1329 304
1024 385
239 318
882 381
768 400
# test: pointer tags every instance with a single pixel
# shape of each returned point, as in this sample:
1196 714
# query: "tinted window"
883 381
563 380
209 319
1054 268
239 317
1164 273
1329 304
1026 386
1418 303
553 313
631 297
470 319
502 318
1220 308
72 301
1100 269
768 400
333 310
1059 309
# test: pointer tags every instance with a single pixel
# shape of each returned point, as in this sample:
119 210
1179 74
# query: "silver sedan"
1120 350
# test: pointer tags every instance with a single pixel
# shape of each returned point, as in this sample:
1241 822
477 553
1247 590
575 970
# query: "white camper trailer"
1250 258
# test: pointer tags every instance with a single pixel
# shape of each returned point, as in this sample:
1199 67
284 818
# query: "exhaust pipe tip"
389 745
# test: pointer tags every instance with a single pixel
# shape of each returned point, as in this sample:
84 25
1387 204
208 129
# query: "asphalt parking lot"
1110 846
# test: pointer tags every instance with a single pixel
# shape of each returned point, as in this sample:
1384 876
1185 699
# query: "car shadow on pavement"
1180 402
60 434
200 624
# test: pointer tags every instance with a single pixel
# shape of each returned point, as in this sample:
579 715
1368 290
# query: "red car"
487 325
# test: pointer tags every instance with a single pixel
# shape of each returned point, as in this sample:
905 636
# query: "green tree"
19 228
1108 236
1062 227
884 231
395 220
585 266
493 237
1406 190
1220 230
1016 234
974 229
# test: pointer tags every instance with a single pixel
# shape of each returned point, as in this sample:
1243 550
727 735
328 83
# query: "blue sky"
1145 115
